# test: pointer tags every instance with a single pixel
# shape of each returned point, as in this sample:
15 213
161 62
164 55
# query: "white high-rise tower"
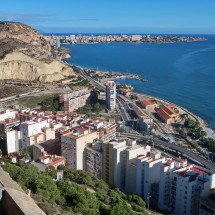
111 95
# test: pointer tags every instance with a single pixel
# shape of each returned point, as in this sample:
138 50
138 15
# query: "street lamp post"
148 199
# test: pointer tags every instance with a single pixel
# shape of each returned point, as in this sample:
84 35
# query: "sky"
113 16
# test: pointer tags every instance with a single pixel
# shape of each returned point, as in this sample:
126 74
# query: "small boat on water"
144 80
141 79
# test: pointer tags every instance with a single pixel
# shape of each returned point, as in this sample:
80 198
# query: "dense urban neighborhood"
133 152
74 141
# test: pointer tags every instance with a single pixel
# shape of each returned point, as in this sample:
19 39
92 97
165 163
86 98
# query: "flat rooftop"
74 136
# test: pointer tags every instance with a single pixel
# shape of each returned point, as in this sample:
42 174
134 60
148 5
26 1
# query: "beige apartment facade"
72 148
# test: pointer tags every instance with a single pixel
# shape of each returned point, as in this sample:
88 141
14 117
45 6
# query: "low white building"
8 114
136 38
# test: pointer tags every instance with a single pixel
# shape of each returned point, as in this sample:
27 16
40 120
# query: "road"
123 110
187 153
121 105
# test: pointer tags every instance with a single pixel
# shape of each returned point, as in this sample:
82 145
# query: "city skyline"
193 17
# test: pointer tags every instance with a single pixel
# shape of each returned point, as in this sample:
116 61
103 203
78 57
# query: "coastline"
136 43
202 122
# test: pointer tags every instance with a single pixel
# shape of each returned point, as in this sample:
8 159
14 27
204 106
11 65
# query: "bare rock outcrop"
25 55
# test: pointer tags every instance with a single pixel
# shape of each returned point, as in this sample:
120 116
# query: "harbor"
105 76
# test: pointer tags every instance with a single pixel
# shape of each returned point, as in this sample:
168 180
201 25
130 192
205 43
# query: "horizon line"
110 33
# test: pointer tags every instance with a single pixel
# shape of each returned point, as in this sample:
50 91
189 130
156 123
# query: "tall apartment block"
118 160
108 159
73 145
132 152
183 186
111 95
74 100
93 154
148 175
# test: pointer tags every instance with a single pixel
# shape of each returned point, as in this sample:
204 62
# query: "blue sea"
183 73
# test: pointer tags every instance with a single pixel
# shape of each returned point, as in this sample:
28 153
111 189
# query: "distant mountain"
25 55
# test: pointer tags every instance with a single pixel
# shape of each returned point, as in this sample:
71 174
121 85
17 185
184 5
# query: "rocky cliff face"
25 55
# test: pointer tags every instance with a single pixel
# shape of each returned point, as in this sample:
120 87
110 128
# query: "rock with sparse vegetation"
25 55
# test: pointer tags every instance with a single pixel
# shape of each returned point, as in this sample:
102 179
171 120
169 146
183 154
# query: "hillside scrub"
69 196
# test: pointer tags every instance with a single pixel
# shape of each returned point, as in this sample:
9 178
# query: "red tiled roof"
163 114
9 121
193 176
166 112
56 161
44 157
123 90
146 102
138 111
199 171
168 109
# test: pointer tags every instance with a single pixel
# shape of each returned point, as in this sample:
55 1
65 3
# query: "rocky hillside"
25 55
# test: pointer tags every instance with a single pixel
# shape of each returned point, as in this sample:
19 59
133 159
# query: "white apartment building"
8 133
131 165
148 175
13 138
119 163
93 154
111 95
73 145
182 186
136 38
35 132
166 172
124 160
8 114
